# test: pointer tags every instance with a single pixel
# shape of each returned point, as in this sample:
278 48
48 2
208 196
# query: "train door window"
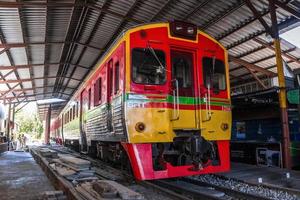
70 116
116 75
89 98
74 110
77 109
110 78
96 93
148 66
100 89
214 73
182 70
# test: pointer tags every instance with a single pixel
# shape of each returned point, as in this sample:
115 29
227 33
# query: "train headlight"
183 30
224 126
140 127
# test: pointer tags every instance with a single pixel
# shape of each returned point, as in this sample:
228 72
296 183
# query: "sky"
292 36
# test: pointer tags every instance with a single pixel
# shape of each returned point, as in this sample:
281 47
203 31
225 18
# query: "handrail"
208 105
175 101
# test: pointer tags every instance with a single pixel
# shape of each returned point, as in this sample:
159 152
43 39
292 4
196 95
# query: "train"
158 101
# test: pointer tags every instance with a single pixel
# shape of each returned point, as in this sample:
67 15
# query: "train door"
82 119
183 84
214 96
109 95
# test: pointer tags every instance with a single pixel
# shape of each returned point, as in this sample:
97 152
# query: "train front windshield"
148 66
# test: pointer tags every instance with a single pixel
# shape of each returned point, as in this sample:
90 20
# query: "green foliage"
29 124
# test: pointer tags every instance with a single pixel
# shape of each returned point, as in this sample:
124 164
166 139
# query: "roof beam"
7 74
33 88
25 104
196 9
256 77
285 54
287 8
3 51
233 7
30 79
25 44
82 4
14 67
245 23
263 59
163 8
8 91
106 4
29 95
259 17
251 66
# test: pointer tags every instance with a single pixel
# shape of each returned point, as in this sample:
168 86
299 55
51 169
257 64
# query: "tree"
29 123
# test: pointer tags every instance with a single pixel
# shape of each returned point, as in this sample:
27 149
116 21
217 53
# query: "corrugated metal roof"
53 41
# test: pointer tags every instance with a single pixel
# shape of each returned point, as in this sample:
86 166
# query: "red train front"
160 97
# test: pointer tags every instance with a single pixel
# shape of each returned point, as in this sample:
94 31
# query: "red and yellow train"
159 98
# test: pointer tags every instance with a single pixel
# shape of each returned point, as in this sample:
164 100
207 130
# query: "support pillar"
282 90
13 121
47 125
8 124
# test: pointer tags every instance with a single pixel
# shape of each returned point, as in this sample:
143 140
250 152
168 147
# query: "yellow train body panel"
159 127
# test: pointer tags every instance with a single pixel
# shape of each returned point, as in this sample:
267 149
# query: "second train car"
160 98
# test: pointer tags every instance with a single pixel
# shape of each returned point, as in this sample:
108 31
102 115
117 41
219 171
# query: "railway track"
188 188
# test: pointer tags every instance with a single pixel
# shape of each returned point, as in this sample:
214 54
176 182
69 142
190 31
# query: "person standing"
24 140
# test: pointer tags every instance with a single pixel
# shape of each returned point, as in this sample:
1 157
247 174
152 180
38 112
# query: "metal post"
282 89
8 125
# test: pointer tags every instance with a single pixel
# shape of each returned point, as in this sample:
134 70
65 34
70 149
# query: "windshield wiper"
157 59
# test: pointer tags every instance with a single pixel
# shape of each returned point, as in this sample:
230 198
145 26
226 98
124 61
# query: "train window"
110 77
182 70
214 73
117 74
148 66
77 109
74 111
97 92
89 98
100 88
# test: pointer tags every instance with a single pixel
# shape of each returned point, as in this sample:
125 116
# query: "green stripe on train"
170 99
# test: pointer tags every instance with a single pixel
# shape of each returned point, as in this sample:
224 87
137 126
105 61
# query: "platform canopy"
49 46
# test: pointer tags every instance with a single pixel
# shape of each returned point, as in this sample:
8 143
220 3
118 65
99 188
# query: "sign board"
293 96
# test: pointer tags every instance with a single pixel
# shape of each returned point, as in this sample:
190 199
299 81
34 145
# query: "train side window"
116 75
148 66
214 73
70 116
74 110
100 88
77 109
89 98
97 92
110 78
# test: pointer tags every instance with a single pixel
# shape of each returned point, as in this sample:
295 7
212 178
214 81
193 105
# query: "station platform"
21 177
270 176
